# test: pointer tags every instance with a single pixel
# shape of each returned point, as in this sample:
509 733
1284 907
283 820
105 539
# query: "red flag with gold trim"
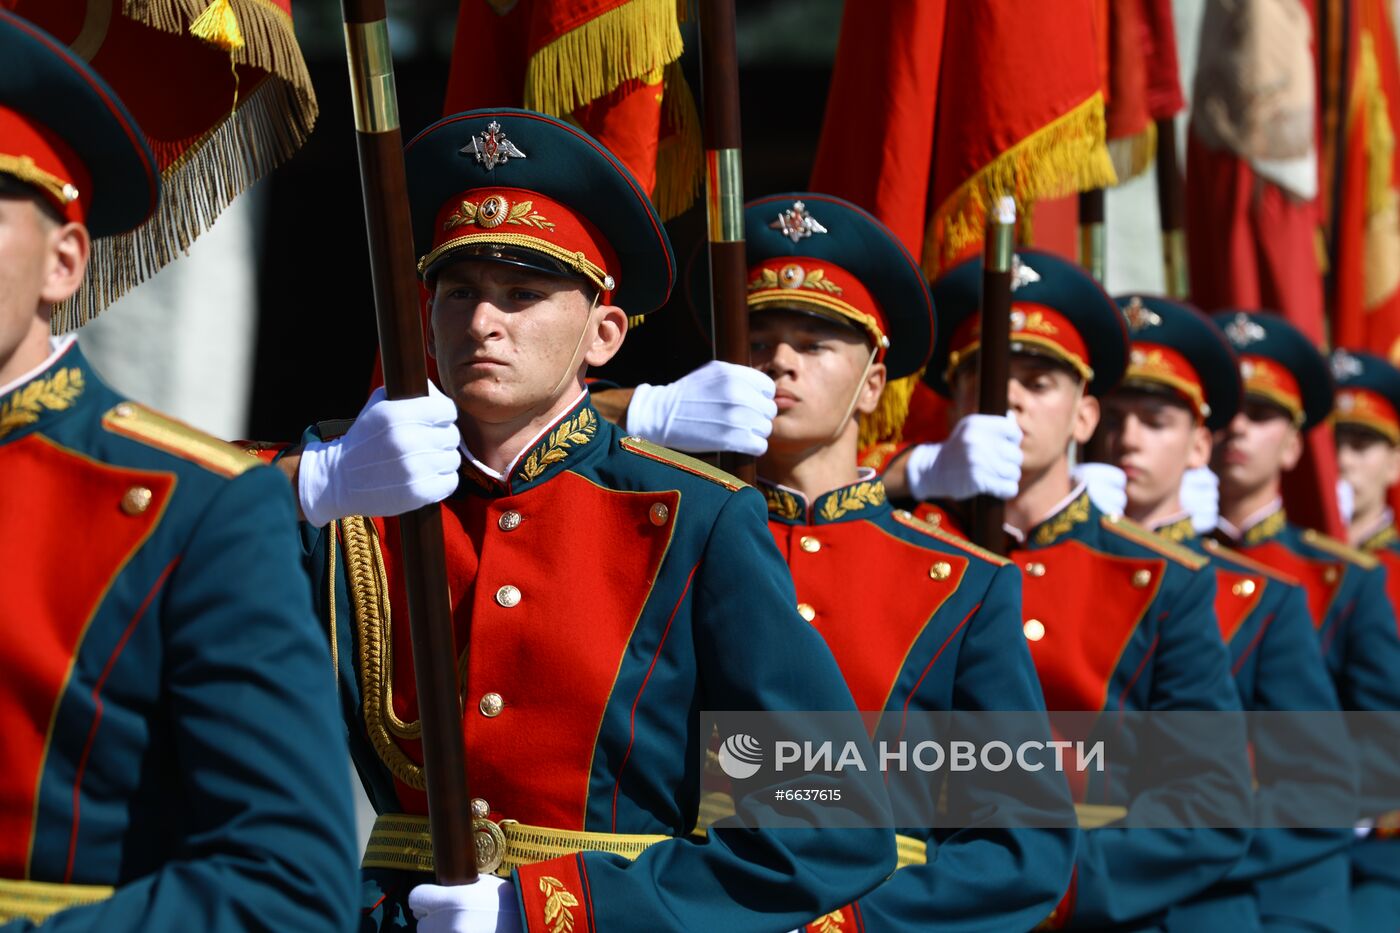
1366 270
611 66
939 107
223 95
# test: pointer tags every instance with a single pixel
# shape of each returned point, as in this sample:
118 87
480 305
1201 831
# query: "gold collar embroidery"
572 432
1177 531
1384 536
1266 529
1076 513
781 503
851 499
55 392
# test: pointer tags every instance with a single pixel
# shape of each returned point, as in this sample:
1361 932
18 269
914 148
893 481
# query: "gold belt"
36 901
1094 815
717 805
401 841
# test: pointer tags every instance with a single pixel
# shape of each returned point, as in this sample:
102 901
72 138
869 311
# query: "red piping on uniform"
904 717
587 894
97 714
1151 650
1331 632
1253 643
632 721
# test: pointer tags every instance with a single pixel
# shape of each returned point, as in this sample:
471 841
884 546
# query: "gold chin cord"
572 366
855 396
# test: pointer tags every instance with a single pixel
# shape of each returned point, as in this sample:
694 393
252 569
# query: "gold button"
508 596
1141 578
806 611
480 808
1035 569
940 570
810 544
1330 575
509 521
659 513
1034 629
1244 588
136 500
124 410
491 705
934 519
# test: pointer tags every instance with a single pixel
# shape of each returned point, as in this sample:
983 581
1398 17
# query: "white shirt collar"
510 467
1238 534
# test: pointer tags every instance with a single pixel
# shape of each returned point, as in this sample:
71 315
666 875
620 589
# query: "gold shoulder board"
645 448
1337 549
1126 528
1244 560
153 429
910 520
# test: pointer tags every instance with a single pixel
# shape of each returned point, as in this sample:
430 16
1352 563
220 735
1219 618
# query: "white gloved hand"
1108 485
981 456
486 906
1200 496
398 456
720 406
1346 501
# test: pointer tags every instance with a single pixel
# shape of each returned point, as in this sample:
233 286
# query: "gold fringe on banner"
1064 156
1132 155
628 42
269 41
886 423
268 127
680 159
1381 242
219 27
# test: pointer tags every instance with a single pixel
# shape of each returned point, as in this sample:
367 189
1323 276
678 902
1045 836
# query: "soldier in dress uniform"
609 588
173 758
1366 419
918 619
1288 389
1182 384
1117 619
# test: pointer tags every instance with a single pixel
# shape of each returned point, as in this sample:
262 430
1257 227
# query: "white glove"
981 456
720 406
1200 496
1108 485
397 456
486 906
1346 501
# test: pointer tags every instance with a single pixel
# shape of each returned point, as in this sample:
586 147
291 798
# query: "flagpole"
724 194
392 269
994 364
1171 208
1092 233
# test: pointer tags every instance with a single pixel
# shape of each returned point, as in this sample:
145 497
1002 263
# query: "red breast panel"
1089 605
873 593
64 537
1321 578
582 560
1236 595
